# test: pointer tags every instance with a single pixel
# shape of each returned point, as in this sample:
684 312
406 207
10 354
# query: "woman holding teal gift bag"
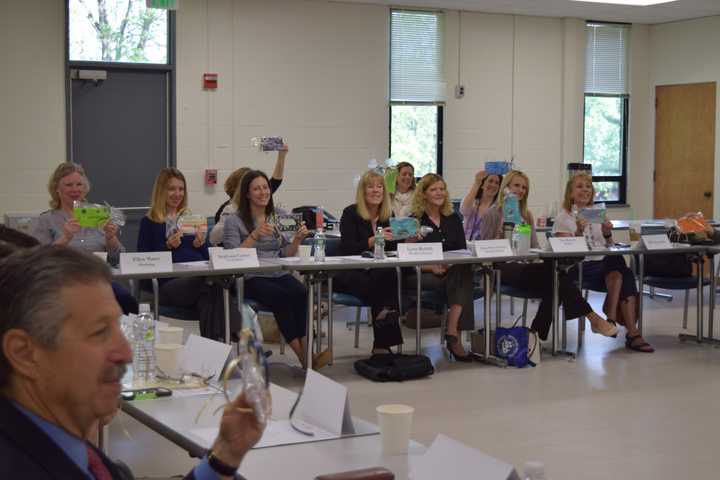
69 184
404 189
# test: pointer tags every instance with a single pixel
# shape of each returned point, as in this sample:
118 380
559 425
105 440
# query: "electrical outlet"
459 91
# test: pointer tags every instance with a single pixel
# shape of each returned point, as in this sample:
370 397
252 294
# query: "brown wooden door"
684 149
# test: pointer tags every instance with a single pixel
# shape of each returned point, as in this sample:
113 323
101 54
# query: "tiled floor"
611 413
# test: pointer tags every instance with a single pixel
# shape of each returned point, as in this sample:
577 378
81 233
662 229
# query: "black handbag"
394 367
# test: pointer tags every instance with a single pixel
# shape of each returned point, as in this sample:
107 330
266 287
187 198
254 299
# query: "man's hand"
239 431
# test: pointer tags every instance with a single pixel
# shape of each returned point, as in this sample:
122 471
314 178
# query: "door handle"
707 194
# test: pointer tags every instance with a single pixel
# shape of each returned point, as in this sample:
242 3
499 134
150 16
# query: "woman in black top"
431 206
377 286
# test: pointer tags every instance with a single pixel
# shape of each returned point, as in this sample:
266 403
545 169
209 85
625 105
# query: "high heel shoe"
450 341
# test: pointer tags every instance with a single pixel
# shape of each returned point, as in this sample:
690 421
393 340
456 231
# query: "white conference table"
316 272
640 253
201 269
176 419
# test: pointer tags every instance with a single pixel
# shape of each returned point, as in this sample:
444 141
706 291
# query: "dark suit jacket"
355 232
27 452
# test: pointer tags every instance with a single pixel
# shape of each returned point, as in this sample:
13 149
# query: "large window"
117 31
417 89
606 110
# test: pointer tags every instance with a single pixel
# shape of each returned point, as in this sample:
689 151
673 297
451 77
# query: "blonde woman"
58 226
432 208
609 273
378 287
404 189
537 278
158 233
232 183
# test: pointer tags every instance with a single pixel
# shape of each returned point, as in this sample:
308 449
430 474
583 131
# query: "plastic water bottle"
534 471
521 236
319 244
379 253
143 345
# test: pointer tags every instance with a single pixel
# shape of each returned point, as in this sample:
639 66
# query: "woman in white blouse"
404 189
609 272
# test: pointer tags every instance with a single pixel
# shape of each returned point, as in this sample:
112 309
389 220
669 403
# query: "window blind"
606 59
416 56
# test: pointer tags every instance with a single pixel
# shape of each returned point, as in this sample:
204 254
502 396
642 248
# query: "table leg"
711 300
418 306
318 295
486 357
156 297
555 307
240 287
330 320
498 300
226 311
641 281
310 314
700 297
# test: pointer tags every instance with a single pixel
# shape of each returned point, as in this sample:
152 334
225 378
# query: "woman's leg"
378 288
281 295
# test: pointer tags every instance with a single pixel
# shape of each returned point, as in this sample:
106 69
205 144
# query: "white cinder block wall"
32 101
317 73
314 72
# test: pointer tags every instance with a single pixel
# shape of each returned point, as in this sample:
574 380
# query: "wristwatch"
220 467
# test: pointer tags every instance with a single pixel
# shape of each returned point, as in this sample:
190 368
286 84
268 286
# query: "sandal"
605 328
642 346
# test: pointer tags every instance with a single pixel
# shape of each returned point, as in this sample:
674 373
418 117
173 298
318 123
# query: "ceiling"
668 12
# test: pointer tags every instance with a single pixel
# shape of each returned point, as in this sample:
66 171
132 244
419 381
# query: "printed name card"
568 244
656 242
101 255
420 251
146 262
221 259
492 248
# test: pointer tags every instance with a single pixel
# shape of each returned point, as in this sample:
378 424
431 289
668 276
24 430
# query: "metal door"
120 135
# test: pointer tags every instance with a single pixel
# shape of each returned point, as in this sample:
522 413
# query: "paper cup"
304 251
170 335
395 422
168 358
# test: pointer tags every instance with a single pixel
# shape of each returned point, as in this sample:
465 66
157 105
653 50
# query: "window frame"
440 129
621 179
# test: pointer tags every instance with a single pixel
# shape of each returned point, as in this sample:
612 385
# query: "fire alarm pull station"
210 81
211 176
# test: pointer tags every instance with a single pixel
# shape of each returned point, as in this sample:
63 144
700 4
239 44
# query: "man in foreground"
62 357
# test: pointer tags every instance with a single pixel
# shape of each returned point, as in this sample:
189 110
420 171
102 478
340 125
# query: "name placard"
656 242
221 259
492 248
146 262
420 251
568 244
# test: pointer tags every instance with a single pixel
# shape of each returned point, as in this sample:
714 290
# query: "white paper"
322 403
101 255
146 262
420 251
493 248
204 357
568 244
222 259
656 242
448 458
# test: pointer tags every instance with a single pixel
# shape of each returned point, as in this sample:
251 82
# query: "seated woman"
59 226
159 233
537 278
609 272
376 287
478 201
231 185
432 207
404 189
251 227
